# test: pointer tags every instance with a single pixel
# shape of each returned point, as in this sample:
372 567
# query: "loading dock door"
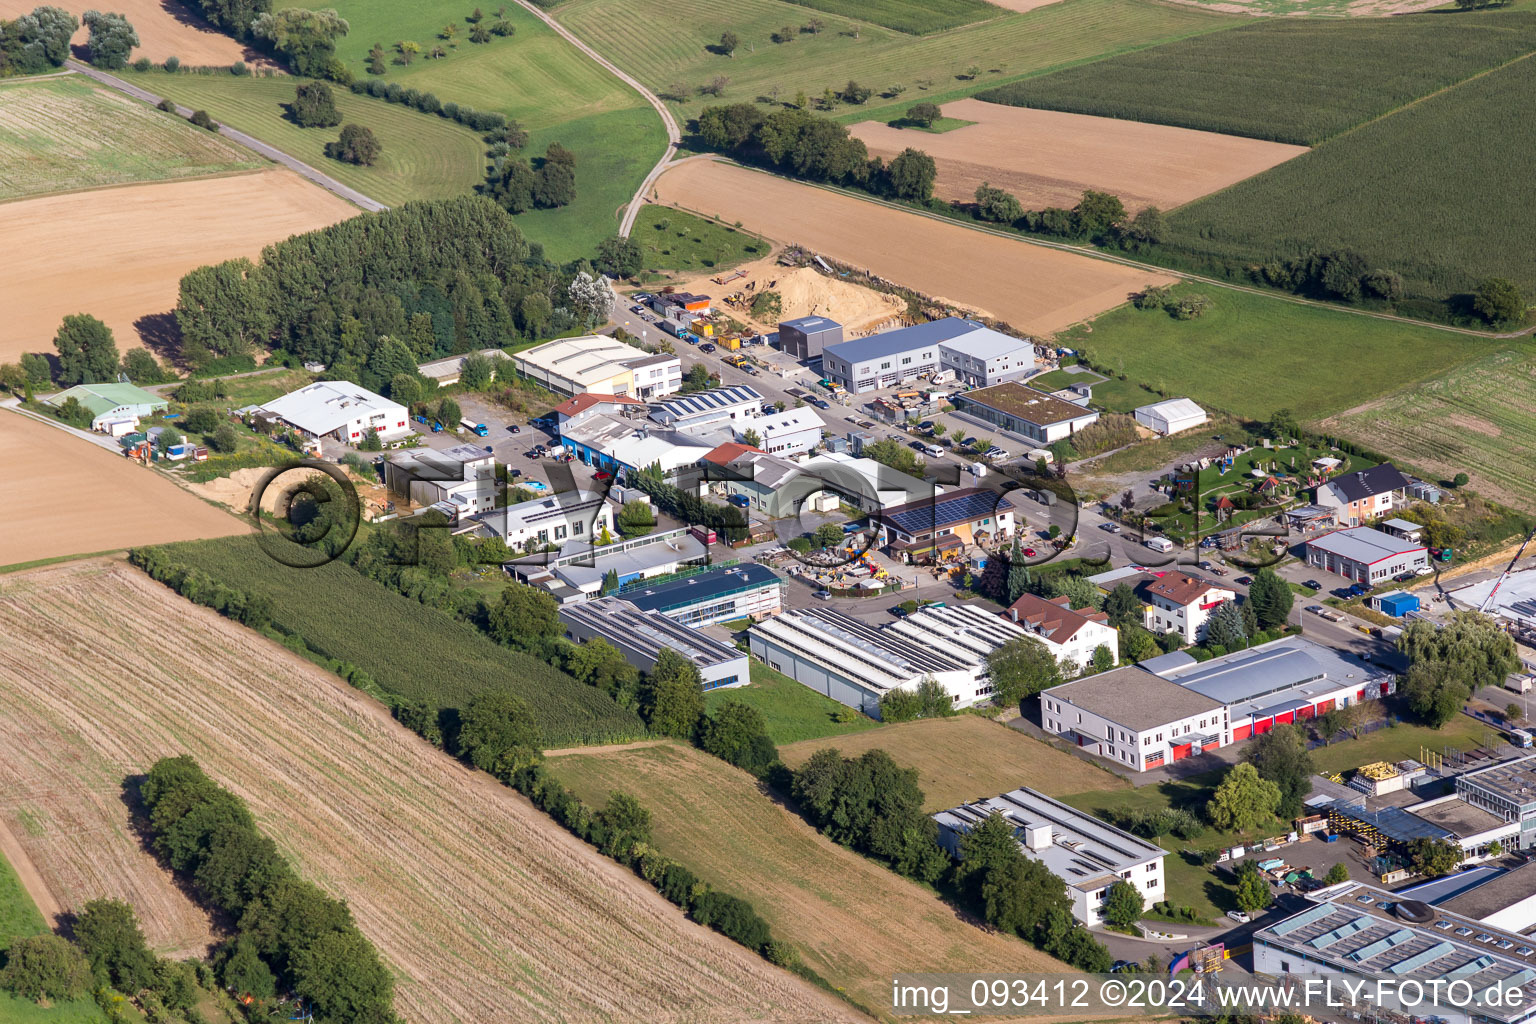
1241 732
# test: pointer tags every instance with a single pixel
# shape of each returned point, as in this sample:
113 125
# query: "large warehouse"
1042 418
601 366
891 357
642 636
1367 555
1171 416
339 409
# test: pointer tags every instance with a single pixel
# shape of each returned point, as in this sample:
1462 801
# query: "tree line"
36 43
289 935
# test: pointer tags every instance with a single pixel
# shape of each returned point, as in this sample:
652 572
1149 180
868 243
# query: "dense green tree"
1499 300
672 696
997 205
1243 800
243 972
871 804
735 733
619 257
36 42
45 968
107 932
356 145
1337 874
1469 646
1123 607
525 617
1096 212
1015 893
305 38
1281 757
314 106
498 733
87 351
627 822
142 367
1271 598
1436 691
1080 591
224 439
223 310
1137 644
731 126
201 419
1103 659
1123 905
234 16
342 978
636 518
554 183
1226 627
1021 668
36 367
598 663
924 114
449 412
511 184
112 39
729 41
476 372
1434 857
1253 893
911 175
1061 936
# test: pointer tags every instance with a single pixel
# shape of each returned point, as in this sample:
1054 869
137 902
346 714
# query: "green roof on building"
100 398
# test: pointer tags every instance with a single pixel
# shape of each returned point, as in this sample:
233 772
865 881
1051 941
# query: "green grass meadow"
1252 354
790 710
557 92
424 157
677 240
1297 81
19 918
663 44
58 134
1109 394
915 17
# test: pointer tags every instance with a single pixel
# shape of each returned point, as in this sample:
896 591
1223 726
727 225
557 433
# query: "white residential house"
559 519
341 410
1070 636
1365 494
1182 604
785 433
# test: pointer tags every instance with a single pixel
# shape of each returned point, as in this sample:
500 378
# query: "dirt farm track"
1031 287
119 253
485 910
1047 158
65 496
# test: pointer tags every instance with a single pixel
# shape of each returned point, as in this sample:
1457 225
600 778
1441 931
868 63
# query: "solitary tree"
1336 874
1281 757
314 106
87 351
45 968
729 42
1123 905
1253 893
356 145
305 38
112 39
1271 599
1243 800
1499 300
924 113
1021 668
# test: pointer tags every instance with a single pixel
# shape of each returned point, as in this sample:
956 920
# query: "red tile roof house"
1070 636
1183 604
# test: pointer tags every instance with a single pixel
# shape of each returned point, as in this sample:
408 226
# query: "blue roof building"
892 357
715 595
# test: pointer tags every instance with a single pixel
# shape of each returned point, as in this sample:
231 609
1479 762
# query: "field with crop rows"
1252 354
424 157
915 17
411 650
934 67
850 918
1292 81
482 907
557 92
59 134
1425 192
1476 420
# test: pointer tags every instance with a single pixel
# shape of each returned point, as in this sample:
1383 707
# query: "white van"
933 449
1159 544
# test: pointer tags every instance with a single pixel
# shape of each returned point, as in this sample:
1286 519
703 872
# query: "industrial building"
446 371
641 636
1507 900
714 595
786 433
1172 706
1366 555
1042 418
559 519
578 571
462 477
732 406
115 408
1089 855
618 444
891 357
1506 790
1362 931
602 366
856 663
340 410
926 529
1171 416
807 337
983 357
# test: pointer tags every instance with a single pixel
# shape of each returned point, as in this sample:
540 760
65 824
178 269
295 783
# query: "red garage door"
1154 761
1325 707
1181 751
1285 717
1262 726
1360 694
1240 732
1306 712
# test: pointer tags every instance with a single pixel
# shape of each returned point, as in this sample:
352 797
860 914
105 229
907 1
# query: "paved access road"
272 153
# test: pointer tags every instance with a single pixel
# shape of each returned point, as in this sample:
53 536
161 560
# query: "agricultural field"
165 28
58 485
1381 191
1033 288
1474 420
64 134
966 757
424 156
134 243
936 67
557 92
1047 158
836 907
915 17
790 711
411 650
1253 354
482 906
1244 82
677 240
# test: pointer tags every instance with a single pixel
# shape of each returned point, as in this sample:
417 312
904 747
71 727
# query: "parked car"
602 478
1029 552
997 454
513 428
1244 580
925 425
1239 916
1218 571
739 500
1313 585
707 347
637 309
818 403
1206 565
1423 570
823 595
1317 609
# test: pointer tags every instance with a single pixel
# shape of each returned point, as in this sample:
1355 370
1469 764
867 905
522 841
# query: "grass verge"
792 712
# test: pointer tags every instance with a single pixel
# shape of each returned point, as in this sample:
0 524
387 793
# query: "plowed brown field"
484 909
119 253
1032 287
166 28
66 496
1047 158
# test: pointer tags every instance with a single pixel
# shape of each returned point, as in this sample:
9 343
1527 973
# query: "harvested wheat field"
854 921
1047 158
966 758
802 291
484 908
1031 287
119 253
166 28
66 496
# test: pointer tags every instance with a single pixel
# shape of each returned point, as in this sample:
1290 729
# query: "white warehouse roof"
1173 409
985 343
790 421
325 405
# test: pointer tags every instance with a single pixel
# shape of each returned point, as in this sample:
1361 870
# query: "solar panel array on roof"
705 401
1380 946
1422 959
964 508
